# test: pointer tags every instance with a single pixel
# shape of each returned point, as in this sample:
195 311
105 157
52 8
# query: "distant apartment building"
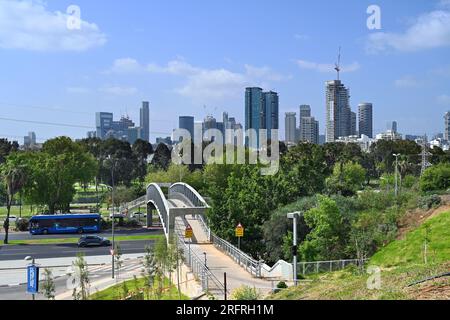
447 126
145 121
353 124
392 126
338 111
365 115
309 130
290 128
261 113
187 123
124 129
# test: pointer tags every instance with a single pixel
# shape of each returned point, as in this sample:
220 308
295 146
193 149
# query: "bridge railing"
208 280
155 195
250 264
133 204
190 193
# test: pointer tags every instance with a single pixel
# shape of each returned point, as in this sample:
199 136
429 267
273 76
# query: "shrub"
429 202
436 178
22 225
280 285
246 293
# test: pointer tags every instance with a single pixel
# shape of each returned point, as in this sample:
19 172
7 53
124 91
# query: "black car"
88 241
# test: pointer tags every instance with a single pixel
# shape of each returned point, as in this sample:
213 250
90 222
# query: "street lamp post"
294 216
113 216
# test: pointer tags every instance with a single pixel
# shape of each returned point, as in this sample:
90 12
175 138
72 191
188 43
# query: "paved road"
99 276
27 236
67 250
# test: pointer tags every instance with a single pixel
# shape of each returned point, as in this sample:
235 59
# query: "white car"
12 220
138 215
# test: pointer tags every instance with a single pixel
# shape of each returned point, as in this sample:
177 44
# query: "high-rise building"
392 126
291 128
447 126
338 112
103 123
209 123
305 111
309 130
261 113
187 123
145 121
365 119
353 123
271 112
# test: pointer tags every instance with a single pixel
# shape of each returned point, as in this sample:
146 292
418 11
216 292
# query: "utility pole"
396 174
113 217
425 164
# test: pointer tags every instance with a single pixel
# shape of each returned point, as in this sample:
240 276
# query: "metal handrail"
328 266
133 203
207 279
155 195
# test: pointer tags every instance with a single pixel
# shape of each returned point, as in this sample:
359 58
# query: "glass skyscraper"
261 113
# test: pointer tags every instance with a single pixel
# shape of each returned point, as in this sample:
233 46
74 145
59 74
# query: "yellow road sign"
188 233
239 231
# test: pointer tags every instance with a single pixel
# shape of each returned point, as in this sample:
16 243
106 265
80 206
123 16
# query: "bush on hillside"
429 202
436 178
246 293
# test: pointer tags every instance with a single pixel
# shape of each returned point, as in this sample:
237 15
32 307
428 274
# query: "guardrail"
208 280
133 204
315 267
190 193
247 262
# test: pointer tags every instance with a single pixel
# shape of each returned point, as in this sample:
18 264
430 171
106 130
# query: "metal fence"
248 263
315 267
208 280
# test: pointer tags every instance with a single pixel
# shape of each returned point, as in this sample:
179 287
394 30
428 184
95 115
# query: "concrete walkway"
220 263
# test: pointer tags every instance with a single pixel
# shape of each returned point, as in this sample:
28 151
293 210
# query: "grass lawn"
15 210
410 249
74 240
117 292
349 284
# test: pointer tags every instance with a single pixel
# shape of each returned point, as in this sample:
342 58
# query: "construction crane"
338 64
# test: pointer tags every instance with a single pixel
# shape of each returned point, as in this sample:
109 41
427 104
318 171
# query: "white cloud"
325 68
119 91
28 25
210 84
407 82
125 65
77 90
430 30
443 99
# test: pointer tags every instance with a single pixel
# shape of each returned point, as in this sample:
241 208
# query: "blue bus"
65 223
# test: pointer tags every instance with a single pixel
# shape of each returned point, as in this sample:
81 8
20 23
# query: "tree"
150 271
55 170
436 178
328 237
141 150
48 285
347 178
82 276
14 177
162 157
6 148
119 154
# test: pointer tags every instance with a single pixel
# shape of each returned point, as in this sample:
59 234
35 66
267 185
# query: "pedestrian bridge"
208 256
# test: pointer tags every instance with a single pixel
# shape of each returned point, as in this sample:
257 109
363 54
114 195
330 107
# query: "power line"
58 109
62 124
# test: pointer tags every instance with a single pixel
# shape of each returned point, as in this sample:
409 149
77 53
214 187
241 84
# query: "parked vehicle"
138 215
93 241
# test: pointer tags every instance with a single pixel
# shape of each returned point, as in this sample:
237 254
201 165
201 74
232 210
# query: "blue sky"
183 55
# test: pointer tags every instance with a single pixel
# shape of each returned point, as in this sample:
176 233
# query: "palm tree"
14 178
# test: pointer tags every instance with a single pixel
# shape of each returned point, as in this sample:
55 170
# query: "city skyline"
116 67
